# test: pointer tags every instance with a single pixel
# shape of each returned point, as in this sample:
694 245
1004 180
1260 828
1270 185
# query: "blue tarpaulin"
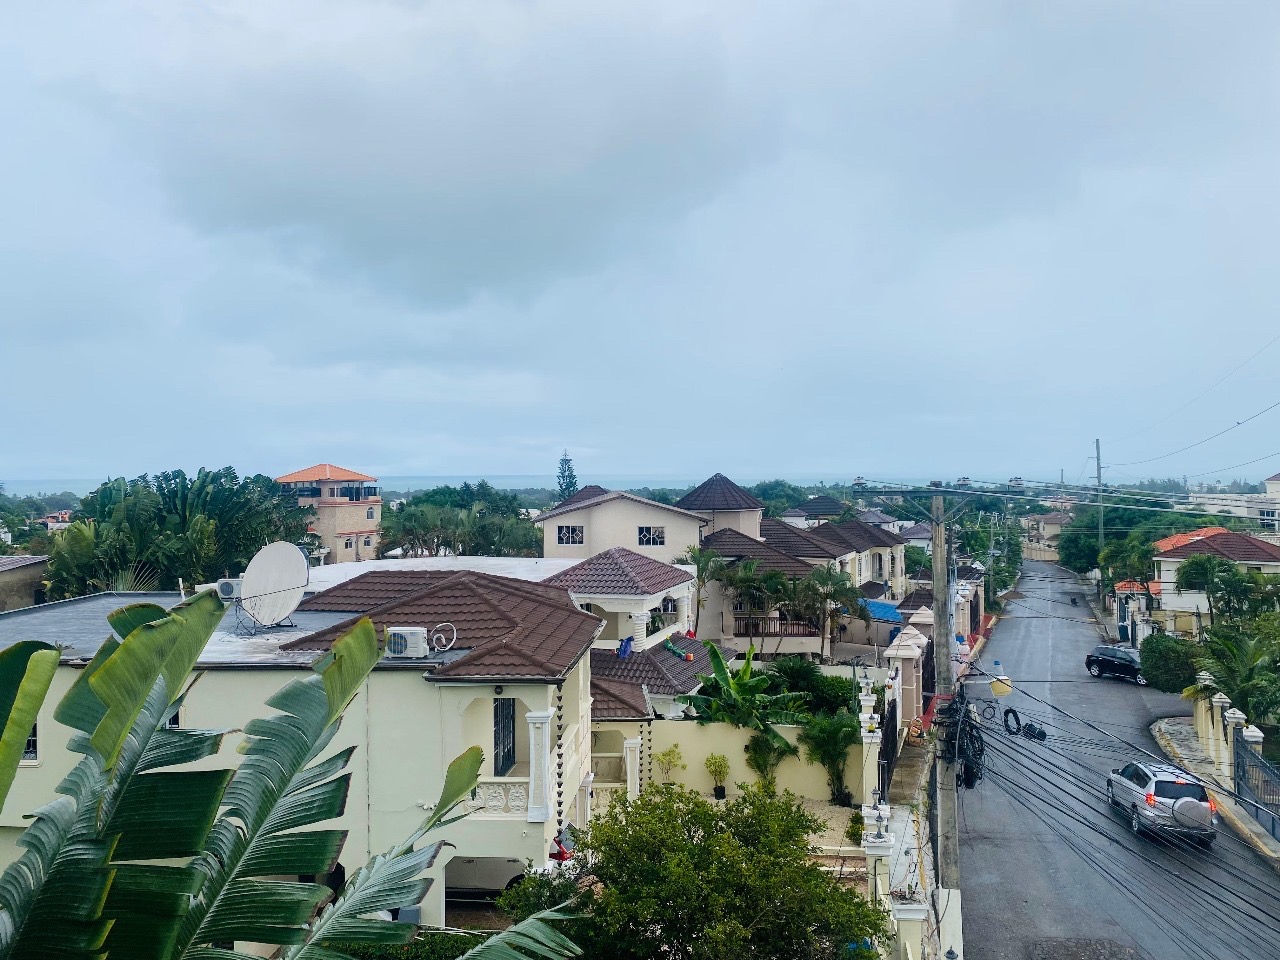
883 611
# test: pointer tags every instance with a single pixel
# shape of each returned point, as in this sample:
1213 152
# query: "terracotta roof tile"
589 492
1178 539
796 542
733 545
1133 586
323 471
1229 544
663 672
620 572
718 493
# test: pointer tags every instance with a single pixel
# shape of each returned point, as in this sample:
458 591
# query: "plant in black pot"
718 767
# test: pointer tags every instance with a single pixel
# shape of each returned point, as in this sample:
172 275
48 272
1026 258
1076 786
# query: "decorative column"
1201 712
631 760
909 917
539 765
1234 719
1217 739
640 627
870 764
682 612
559 784
903 656
879 849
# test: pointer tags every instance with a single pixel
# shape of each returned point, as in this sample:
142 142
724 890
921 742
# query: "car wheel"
1141 680
1111 794
1135 821
1095 670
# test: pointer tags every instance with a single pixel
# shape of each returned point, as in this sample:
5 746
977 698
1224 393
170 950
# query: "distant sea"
21 487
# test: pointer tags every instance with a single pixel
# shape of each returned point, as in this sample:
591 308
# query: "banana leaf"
26 670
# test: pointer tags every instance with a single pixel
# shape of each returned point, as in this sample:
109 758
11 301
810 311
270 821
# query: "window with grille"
368 541
652 536
570 536
171 722
504 735
369 514
349 543
31 752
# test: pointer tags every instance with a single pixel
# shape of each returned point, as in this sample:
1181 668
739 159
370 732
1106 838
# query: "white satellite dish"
274 583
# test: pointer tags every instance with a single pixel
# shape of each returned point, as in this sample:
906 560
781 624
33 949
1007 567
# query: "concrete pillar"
1201 710
879 850
683 607
1234 719
639 627
539 765
909 918
870 767
1217 736
631 758
904 658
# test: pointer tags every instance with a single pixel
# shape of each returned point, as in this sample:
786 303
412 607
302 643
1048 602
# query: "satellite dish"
274 583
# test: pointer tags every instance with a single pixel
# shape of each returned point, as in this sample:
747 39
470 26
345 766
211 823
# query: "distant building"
22 581
348 510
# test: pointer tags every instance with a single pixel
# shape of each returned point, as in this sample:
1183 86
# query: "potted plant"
668 761
718 767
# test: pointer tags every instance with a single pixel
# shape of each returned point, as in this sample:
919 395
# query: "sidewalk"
1177 738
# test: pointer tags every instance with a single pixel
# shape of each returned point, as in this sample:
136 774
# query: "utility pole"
948 827
1097 449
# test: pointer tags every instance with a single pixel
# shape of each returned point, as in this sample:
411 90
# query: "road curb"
1237 819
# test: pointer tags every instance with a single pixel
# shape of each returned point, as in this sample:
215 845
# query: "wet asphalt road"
1045 860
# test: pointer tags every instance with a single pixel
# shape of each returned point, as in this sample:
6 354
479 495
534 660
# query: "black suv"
1115 662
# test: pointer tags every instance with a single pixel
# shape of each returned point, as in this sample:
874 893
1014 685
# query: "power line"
1216 383
1191 446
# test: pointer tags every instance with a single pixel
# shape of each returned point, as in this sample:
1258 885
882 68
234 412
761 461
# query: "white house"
1247 553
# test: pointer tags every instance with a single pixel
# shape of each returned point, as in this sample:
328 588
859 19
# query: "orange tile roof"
1181 539
323 471
1133 586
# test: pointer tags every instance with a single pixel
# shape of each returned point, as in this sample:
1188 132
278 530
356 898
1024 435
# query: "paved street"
1045 863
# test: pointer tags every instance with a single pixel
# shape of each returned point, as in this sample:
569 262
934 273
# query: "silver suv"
1163 799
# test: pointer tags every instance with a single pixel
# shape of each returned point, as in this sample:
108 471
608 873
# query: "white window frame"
368 541
349 543
651 536
565 536
368 514
32 746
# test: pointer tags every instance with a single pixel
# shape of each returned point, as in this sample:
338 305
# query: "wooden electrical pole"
948 826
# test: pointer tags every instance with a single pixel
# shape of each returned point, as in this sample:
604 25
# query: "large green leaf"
127 619
347 664
26 670
531 938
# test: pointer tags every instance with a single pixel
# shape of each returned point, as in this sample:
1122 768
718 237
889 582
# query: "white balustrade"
500 797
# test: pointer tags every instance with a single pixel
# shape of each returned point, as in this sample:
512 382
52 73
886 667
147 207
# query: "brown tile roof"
611 700
921 531
718 493
589 492
507 629
570 507
1231 545
874 516
1178 539
662 671
620 571
917 598
323 471
15 562
796 542
377 587
857 535
872 590
967 571
733 545
822 505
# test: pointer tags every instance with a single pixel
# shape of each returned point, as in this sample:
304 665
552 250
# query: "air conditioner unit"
229 589
406 642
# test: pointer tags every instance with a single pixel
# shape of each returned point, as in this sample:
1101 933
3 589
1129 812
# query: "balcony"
502 797
772 627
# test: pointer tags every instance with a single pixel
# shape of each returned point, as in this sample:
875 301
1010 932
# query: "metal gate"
1258 782
927 677
888 748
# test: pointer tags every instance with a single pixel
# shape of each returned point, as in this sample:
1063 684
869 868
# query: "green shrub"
830 694
853 832
718 766
1167 662
431 946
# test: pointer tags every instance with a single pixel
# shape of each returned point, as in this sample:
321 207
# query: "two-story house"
1178 608
595 519
348 510
880 570
724 505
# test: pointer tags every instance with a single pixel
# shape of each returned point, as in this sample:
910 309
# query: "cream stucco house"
595 519
1179 608
348 510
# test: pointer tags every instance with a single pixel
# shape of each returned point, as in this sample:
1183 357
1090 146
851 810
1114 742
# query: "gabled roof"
969 571
620 571
857 535
1275 479
1229 544
15 562
589 492
1134 586
872 589
377 587
920 531
822 506
876 516
718 493
796 542
508 629
1057 517
917 598
661 671
614 700
1178 539
324 471
572 504
733 545
793 512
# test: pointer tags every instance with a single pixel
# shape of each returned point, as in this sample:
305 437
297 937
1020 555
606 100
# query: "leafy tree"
1211 575
1132 558
917 559
733 879
754 590
566 479
741 697
1242 664
827 739
471 519
837 597
708 566
827 695
1168 662
142 854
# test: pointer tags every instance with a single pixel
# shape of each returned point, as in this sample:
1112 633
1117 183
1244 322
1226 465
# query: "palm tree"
826 740
140 855
749 588
796 598
837 597
1203 572
708 566
1243 668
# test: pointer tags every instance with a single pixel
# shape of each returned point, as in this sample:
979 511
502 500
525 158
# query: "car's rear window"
1173 790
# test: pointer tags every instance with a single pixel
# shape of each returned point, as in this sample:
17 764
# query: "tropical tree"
1216 577
708 566
1242 665
144 854
741 698
826 739
755 591
797 599
837 597
1129 559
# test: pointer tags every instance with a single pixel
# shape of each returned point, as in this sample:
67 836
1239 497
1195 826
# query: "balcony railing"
500 797
772 627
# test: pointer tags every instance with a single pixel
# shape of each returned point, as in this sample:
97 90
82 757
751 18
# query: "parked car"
1112 661
1163 799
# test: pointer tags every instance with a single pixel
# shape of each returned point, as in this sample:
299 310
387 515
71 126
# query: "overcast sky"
796 239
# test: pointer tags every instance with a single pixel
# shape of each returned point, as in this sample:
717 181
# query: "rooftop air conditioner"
229 589
408 642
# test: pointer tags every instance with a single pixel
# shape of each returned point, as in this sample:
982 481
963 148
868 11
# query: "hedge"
430 946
